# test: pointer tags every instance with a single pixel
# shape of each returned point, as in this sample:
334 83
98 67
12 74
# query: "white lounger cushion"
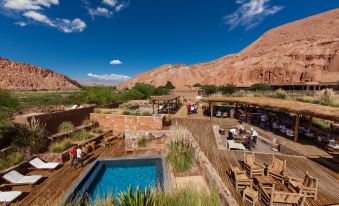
17 178
38 163
9 196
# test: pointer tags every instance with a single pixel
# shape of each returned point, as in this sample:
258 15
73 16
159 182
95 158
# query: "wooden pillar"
168 105
153 106
246 116
211 108
296 128
158 108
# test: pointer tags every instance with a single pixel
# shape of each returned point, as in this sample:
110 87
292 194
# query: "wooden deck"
52 189
296 165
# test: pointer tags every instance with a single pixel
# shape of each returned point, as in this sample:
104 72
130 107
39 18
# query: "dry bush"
326 97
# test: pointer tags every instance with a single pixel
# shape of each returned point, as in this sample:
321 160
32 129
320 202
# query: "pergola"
298 108
165 99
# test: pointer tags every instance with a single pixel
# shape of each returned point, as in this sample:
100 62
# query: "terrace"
222 161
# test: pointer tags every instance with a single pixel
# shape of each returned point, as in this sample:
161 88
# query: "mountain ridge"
299 51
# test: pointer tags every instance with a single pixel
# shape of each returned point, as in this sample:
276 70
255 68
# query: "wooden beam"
296 128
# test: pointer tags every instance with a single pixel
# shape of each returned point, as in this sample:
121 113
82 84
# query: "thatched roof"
315 110
164 98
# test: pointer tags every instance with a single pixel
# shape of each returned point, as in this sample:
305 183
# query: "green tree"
146 89
209 89
228 89
161 91
169 85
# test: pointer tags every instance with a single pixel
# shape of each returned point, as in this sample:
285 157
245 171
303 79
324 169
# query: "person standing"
78 157
73 154
189 108
254 137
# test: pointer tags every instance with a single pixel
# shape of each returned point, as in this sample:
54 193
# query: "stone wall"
121 123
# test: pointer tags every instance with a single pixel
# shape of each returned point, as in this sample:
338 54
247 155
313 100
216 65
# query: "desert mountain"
304 50
21 76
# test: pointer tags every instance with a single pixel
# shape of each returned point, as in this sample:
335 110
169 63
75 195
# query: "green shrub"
31 136
137 198
188 196
228 89
97 130
146 89
308 99
281 94
66 126
60 146
126 112
11 160
87 122
326 97
260 87
209 89
146 113
81 135
142 141
180 155
321 124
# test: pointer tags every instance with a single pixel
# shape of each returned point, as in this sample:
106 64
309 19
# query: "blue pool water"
117 179
112 176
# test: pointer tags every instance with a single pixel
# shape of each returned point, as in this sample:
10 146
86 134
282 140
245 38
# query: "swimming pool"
116 175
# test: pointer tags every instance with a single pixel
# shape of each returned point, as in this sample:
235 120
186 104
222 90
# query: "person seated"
231 134
218 113
242 130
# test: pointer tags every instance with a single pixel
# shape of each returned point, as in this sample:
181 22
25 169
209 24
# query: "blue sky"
82 38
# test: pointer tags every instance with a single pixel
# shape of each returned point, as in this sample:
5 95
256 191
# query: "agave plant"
138 198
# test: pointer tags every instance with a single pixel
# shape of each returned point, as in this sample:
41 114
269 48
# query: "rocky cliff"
21 76
304 50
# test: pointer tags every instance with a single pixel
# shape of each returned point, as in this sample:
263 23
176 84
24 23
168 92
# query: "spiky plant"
326 97
138 198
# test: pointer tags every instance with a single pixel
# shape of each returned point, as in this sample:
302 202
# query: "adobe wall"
121 123
53 120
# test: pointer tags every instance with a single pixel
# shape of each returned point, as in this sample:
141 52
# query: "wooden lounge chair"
307 186
277 169
239 178
251 167
108 141
38 164
9 197
270 196
15 178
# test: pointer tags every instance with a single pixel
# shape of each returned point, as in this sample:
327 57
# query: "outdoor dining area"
164 104
286 118
269 184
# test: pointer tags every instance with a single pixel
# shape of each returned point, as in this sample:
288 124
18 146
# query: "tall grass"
11 160
66 126
180 153
81 135
60 146
326 97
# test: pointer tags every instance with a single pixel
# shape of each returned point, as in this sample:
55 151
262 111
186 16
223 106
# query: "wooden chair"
270 196
277 169
251 167
250 195
108 141
239 178
307 186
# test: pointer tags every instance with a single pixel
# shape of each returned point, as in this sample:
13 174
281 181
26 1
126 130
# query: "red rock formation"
304 50
21 76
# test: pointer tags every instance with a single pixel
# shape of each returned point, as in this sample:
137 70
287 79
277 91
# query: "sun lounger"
9 196
37 163
232 145
15 178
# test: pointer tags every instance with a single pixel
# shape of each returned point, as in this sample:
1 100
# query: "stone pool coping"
78 181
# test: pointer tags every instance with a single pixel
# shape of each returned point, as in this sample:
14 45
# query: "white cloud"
99 11
119 7
21 23
111 3
69 26
107 79
39 18
116 61
251 13
28 4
